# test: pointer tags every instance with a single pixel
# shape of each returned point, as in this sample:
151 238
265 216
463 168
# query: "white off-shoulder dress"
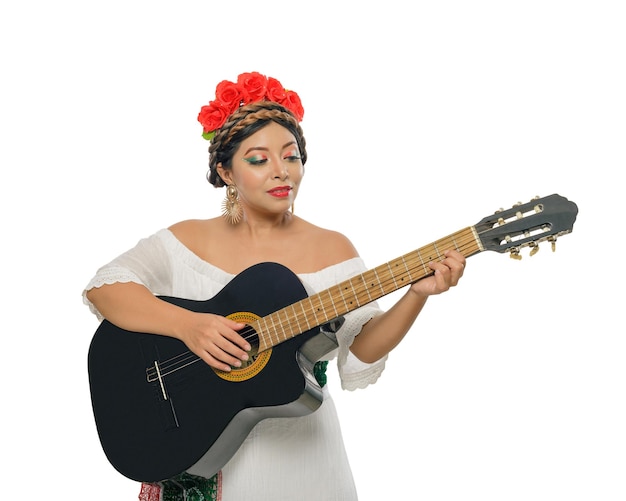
301 458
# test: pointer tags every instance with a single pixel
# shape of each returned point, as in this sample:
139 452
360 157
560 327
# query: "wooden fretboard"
359 290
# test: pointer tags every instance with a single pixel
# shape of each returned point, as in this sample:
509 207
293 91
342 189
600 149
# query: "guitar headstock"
526 225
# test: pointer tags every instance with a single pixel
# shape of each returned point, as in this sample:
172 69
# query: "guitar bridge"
160 379
156 378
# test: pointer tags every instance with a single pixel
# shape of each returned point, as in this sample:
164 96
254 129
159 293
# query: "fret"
318 307
408 272
366 287
264 343
379 282
351 294
312 308
345 304
271 317
354 293
401 272
478 244
395 284
426 269
295 317
285 322
436 249
446 243
306 318
265 329
430 250
363 289
456 246
332 303
282 326
277 325
400 275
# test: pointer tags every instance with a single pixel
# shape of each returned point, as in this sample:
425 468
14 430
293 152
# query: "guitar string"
186 358
467 244
460 242
413 261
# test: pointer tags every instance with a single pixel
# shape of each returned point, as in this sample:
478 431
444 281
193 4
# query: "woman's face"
267 170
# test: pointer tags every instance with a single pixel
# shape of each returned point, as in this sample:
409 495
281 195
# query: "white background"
421 119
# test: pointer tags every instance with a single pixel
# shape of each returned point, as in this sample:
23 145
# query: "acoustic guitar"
160 410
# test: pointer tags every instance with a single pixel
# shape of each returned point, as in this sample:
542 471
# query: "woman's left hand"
447 274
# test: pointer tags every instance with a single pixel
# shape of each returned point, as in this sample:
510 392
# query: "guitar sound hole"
255 363
253 354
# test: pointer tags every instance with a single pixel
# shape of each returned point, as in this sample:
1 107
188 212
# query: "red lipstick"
280 191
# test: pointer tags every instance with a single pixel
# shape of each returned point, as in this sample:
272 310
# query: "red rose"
229 94
292 103
249 88
275 91
213 116
254 85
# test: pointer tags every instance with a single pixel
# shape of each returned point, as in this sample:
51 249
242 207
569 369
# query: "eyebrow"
262 148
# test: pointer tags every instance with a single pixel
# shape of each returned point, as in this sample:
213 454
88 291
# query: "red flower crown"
249 88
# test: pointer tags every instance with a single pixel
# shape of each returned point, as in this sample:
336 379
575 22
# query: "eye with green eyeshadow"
292 154
257 159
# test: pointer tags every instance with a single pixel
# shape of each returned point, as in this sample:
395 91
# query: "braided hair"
244 122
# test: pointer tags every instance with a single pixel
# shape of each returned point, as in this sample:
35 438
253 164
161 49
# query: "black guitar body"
192 419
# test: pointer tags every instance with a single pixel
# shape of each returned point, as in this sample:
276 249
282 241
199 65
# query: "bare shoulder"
301 246
336 246
192 232
186 228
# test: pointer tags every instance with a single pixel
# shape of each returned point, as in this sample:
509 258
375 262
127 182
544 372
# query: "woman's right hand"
133 307
215 340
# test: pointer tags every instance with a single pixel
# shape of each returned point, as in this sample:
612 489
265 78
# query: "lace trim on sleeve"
148 264
355 374
106 276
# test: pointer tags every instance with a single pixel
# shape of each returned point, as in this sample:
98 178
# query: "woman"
258 152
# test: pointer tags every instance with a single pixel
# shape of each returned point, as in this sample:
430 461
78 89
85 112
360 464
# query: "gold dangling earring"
231 208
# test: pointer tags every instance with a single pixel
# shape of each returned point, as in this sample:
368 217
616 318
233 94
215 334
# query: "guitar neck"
360 290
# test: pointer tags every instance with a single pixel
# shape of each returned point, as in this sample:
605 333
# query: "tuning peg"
514 254
552 241
534 248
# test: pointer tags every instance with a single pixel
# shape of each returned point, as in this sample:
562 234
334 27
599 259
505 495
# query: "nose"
281 171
